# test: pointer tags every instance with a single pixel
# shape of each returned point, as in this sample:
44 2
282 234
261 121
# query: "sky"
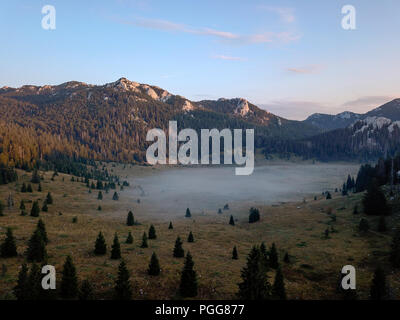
292 58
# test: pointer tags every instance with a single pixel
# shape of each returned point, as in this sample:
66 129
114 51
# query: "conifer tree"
22 205
35 210
382 224
100 196
328 195
129 239
36 251
144 241
86 291
8 248
69 280
45 208
254 215
374 201
188 214
254 285
364 225
29 188
100 247
1 209
152 232
39 188
35 176
130 220
344 190
23 188
231 221
178 249
395 249
286 258
273 257
264 255
99 208
378 286
154 266
355 210
116 248
21 290
190 237
235 253
35 289
188 285
123 288
278 288
49 198
170 225
42 228
115 196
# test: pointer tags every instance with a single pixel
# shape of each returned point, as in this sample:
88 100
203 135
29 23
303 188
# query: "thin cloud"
313 69
229 58
285 14
367 101
295 109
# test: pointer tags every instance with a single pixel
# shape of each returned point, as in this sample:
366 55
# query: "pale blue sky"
292 57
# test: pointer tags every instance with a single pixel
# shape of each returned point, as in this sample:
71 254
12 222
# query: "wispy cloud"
223 57
366 103
235 38
295 109
285 14
312 69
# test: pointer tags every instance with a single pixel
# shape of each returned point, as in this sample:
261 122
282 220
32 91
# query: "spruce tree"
1 209
35 283
129 239
130 220
395 249
264 255
374 201
144 241
278 288
273 257
22 205
364 225
35 176
42 228
178 249
29 188
231 221
190 237
152 232
286 258
45 208
378 286
35 210
86 291
188 214
23 188
235 253
154 266
100 247
355 210
39 188
382 224
254 215
328 195
100 196
69 280
170 226
8 248
21 290
115 196
254 285
123 288
116 248
36 251
49 198
188 285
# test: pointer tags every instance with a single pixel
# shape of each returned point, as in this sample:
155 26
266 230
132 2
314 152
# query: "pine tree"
69 281
36 251
278 288
188 285
254 285
286 258
100 247
49 198
21 290
190 237
188 214
364 225
8 248
264 255
382 224
273 257
29 188
116 248
129 239
1 209
22 205
100 196
144 241
42 228
170 226
178 249
231 221
344 190
86 291
378 285
152 232
154 266
115 196
355 210
39 188
130 220
374 201
23 188
99 208
45 208
235 253
395 249
35 209
328 195
34 286
123 288
254 215
35 176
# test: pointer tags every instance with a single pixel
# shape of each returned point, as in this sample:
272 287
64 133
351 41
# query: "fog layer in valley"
205 189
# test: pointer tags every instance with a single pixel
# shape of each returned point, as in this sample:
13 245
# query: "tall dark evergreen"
254 215
42 228
35 283
231 221
130 220
144 241
129 238
100 247
116 248
154 266
188 214
363 225
23 187
39 189
69 280
170 226
22 205
100 196
273 257
86 291
29 188
190 237
1 209
36 251
8 248
382 224
254 285
21 290
45 208
49 198
235 253
152 232
378 286
35 176
115 196
35 210
395 249
278 288
188 285
178 249
374 201
123 288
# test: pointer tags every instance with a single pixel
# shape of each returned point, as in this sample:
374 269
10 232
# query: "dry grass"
296 228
